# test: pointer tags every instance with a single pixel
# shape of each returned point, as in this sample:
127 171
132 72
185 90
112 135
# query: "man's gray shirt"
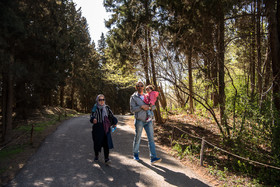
135 107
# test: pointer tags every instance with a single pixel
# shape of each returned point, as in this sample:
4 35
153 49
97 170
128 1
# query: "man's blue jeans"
149 128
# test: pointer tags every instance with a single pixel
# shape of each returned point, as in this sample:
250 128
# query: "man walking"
139 108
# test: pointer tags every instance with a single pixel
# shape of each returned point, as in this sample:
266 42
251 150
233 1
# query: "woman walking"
102 119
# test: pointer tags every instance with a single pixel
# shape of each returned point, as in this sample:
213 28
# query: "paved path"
66 159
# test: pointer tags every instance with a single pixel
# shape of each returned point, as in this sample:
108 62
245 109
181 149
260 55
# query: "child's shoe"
149 119
107 161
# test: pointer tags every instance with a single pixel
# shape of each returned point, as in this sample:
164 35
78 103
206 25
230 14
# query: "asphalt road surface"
65 158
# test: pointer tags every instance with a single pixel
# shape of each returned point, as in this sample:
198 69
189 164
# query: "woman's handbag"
106 124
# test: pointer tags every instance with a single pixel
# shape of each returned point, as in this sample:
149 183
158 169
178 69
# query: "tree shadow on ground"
173 177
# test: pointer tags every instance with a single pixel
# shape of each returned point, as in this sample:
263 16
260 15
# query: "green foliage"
10 152
178 148
37 127
186 147
50 120
222 175
178 110
164 112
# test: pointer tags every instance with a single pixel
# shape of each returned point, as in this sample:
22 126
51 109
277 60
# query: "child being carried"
150 99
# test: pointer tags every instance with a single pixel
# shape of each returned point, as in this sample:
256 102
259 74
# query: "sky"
95 13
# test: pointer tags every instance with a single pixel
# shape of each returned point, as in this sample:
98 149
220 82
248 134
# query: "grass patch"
11 151
37 127
41 126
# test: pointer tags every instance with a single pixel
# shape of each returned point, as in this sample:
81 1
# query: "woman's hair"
151 87
100 95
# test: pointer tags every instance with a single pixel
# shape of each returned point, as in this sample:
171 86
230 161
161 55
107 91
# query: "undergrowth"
250 138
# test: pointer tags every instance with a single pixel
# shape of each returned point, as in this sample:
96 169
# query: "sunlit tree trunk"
221 67
158 115
190 79
146 62
162 98
253 53
151 55
214 75
259 61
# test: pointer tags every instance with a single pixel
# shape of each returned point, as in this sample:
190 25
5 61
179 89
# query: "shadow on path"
173 177
66 159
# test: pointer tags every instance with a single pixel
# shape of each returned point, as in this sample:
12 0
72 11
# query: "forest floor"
215 173
193 128
14 155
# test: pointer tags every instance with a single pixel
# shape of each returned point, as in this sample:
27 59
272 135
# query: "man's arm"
136 108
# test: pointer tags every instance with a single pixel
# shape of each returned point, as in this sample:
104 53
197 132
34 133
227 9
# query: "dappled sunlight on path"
66 159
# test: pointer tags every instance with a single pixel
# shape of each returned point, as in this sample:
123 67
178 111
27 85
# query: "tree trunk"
208 31
273 14
214 75
190 79
7 102
259 61
221 59
267 73
21 101
162 98
62 96
253 55
72 96
145 63
158 115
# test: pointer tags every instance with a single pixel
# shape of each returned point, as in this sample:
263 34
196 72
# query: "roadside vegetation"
27 137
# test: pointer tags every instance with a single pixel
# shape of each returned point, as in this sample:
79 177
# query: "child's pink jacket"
151 98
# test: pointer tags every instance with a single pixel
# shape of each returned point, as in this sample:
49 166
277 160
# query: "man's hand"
94 121
145 107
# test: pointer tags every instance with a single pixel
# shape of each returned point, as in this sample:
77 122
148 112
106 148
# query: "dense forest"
47 58
214 58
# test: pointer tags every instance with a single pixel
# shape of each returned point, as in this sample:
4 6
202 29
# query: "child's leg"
149 112
149 116
152 113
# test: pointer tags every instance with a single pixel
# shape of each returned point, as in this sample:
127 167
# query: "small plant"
177 147
212 170
222 174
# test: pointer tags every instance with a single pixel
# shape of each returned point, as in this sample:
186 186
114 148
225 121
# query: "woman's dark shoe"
107 160
96 158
